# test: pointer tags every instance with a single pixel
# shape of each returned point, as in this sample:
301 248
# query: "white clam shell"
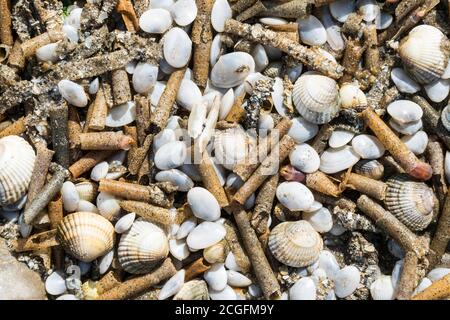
176 177
216 277
67 297
328 262
184 12
74 18
341 9
164 4
69 196
408 129
186 227
188 94
216 49
108 205
105 262
47 53
94 85
302 130
334 160
334 36
383 20
221 12
260 57
321 220
303 289
73 93
172 286
86 206
225 294
305 158
447 166
163 137
232 69
121 115
369 9
382 288
231 147
294 196
417 142
191 171
352 96
346 281
71 33
205 235
438 90
340 138
226 104
294 72
438 273
144 77
157 91
170 155
125 223
265 124
100 171
368 147
396 273
55 284
177 47
179 249
312 32
237 279
314 207
230 262
203 204
251 79
197 119
403 81
277 95
425 283
155 21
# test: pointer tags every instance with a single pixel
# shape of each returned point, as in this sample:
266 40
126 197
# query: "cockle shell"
404 111
142 247
73 93
312 32
170 155
176 177
203 204
335 160
177 47
85 235
184 12
16 166
294 195
316 97
221 12
86 190
369 168
295 244
410 201
155 21
425 53
231 69
193 290
368 146
121 115
144 77
305 158
352 96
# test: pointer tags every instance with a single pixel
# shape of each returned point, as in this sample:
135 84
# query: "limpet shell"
295 244
294 195
85 235
369 168
231 69
156 20
231 147
193 290
410 201
16 166
73 93
335 160
142 247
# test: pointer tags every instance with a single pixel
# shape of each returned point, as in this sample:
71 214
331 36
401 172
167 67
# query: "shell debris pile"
226 149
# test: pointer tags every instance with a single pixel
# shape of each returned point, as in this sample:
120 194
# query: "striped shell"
369 168
295 244
142 247
425 53
410 201
193 290
87 190
316 97
85 235
16 166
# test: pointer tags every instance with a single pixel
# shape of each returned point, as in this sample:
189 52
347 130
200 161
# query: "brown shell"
193 290
369 168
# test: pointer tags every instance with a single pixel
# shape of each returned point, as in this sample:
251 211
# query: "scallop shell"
369 168
193 290
425 53
335 160
85 235
410 201
142 247
16 166
231 69
295 244
316 97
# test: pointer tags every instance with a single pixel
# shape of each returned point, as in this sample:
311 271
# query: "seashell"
85 235
294 72
445 117
255 291
179 249
396 272
203 204
121 115
226 104
197 119
86 206
294 195
368 9
316 97
321 220
73 93
216 277
341 9
144 77
368 147
205 235
216 49
231 264
231 146
312 31
403 81
314 207
425 283
346 281
265 124
70 196
125 223
446 74
410 201
260 57
186 227
177 47
335 160
67 297
99 171
305 158
163 137
55 284
24 229
351 96
303 289
395 249
438 273
142 247
176 177
408 129
189 94
183 12
165 67
274 69
221 12
170 155
277 95
447 166
382 289
383 20
424 53
172 286
369 168
105 262
86 190
157 91
302 130
74 18
156 20
226 294
131 66
71 33
161 4
94 85
252 79
232 69
328 263
340 138
193 290
237 279
417 143
107 205
438 90
48 52
334 36
295 244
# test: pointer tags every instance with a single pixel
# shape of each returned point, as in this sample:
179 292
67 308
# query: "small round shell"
295 244
352 96
231 69
369 168
85 235
142 247
193 290
410 201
